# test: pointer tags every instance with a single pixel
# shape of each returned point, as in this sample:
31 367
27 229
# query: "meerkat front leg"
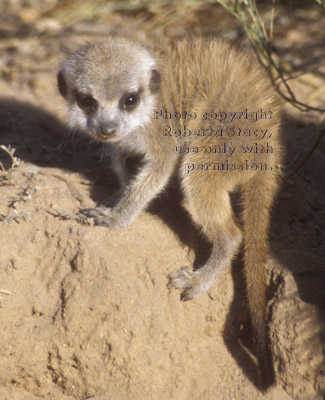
118 161
118 165
137 194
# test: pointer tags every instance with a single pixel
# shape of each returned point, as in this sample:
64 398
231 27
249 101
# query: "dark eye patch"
129 101
86 101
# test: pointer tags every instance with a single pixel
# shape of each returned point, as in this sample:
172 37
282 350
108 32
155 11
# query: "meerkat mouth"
106 138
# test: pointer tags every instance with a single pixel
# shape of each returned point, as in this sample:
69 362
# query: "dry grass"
260 38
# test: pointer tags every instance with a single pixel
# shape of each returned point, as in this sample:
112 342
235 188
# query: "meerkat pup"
198 108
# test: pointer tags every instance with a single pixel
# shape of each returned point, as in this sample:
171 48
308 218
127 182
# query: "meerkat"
199 108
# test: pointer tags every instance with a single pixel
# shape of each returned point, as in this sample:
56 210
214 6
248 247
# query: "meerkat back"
234 140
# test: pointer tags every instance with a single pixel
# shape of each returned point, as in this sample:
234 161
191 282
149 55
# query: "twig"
251 21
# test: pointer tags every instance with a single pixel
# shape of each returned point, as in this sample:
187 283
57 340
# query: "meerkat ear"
62 84
155 81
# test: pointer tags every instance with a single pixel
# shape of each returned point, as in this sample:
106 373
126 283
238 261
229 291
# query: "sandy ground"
86 312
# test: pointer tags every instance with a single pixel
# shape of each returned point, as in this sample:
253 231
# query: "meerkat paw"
104 216
186 280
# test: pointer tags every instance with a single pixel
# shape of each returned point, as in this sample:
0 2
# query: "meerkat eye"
129 101
86 102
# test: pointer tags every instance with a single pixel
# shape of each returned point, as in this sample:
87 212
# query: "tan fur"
197 75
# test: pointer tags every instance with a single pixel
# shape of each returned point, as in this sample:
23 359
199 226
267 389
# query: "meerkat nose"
108 128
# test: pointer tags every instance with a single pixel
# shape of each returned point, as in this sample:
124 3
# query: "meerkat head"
110 88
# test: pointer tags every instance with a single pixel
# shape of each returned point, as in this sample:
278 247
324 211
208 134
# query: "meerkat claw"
181 279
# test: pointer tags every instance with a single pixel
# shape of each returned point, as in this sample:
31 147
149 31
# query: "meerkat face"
110 88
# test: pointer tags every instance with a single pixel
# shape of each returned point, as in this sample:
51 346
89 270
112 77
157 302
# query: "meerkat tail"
258 194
